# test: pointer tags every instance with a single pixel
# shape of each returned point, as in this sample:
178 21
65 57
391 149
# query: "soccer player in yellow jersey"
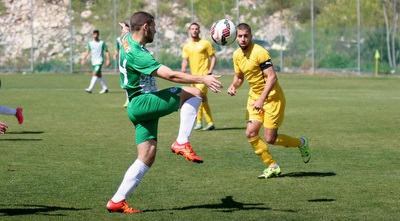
266 102
198 52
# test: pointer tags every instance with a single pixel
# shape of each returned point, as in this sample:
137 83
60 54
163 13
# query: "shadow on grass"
28 209
23 139
20 139
308 174
26 132
227 205
321 200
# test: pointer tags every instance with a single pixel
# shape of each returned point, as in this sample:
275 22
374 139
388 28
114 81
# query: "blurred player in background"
124 30
138 70
97 47
17 112
198 52
266 102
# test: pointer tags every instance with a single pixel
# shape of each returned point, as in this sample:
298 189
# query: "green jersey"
135 66
97 48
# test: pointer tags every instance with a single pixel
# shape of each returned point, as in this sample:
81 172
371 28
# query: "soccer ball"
223 32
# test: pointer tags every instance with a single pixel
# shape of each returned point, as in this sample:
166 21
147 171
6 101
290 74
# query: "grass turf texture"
69 156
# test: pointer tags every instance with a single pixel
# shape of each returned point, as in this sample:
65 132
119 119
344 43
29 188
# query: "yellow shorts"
272 114
201 87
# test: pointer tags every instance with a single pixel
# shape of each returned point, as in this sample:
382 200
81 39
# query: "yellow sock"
200 113
261 149
207 112
287 141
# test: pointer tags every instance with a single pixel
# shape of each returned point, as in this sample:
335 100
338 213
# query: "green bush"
334 60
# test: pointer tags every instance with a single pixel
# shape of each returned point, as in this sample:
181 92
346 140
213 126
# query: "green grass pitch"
69 156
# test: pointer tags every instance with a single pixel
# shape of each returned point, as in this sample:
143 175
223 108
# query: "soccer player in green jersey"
97 47
147 105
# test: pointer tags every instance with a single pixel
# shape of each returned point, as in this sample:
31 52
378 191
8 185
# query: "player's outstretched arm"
179 77
237 82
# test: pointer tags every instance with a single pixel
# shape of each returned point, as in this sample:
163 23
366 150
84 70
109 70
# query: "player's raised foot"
186 151
270 172
88 90
305 150
120 207
19 115
198 126
103 91
209 127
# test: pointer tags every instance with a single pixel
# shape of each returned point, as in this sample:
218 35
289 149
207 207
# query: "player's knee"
192 91
251 134
270 139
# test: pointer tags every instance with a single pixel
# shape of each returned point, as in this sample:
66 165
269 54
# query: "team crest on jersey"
126 46
173 89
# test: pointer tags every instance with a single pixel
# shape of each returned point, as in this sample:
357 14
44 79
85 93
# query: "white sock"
132 178
188 117
103 83
92 82
7 110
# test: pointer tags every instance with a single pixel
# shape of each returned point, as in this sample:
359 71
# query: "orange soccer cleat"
186 151
120 207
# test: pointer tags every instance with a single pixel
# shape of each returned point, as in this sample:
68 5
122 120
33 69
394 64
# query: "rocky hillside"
50 26
16 31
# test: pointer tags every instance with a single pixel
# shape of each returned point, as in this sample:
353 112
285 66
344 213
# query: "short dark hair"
194 23
140 18
243 26
96 31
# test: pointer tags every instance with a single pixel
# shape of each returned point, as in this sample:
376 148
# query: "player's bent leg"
189 92
287 141
301 143
190 100
270 135
261 149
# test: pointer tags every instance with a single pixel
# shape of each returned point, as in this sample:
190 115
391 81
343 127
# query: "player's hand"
107 63
258 105
124 28
211 82
232 90
83 62
115 56
3 128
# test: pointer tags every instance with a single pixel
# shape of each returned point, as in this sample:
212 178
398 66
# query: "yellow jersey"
249 64
198 54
